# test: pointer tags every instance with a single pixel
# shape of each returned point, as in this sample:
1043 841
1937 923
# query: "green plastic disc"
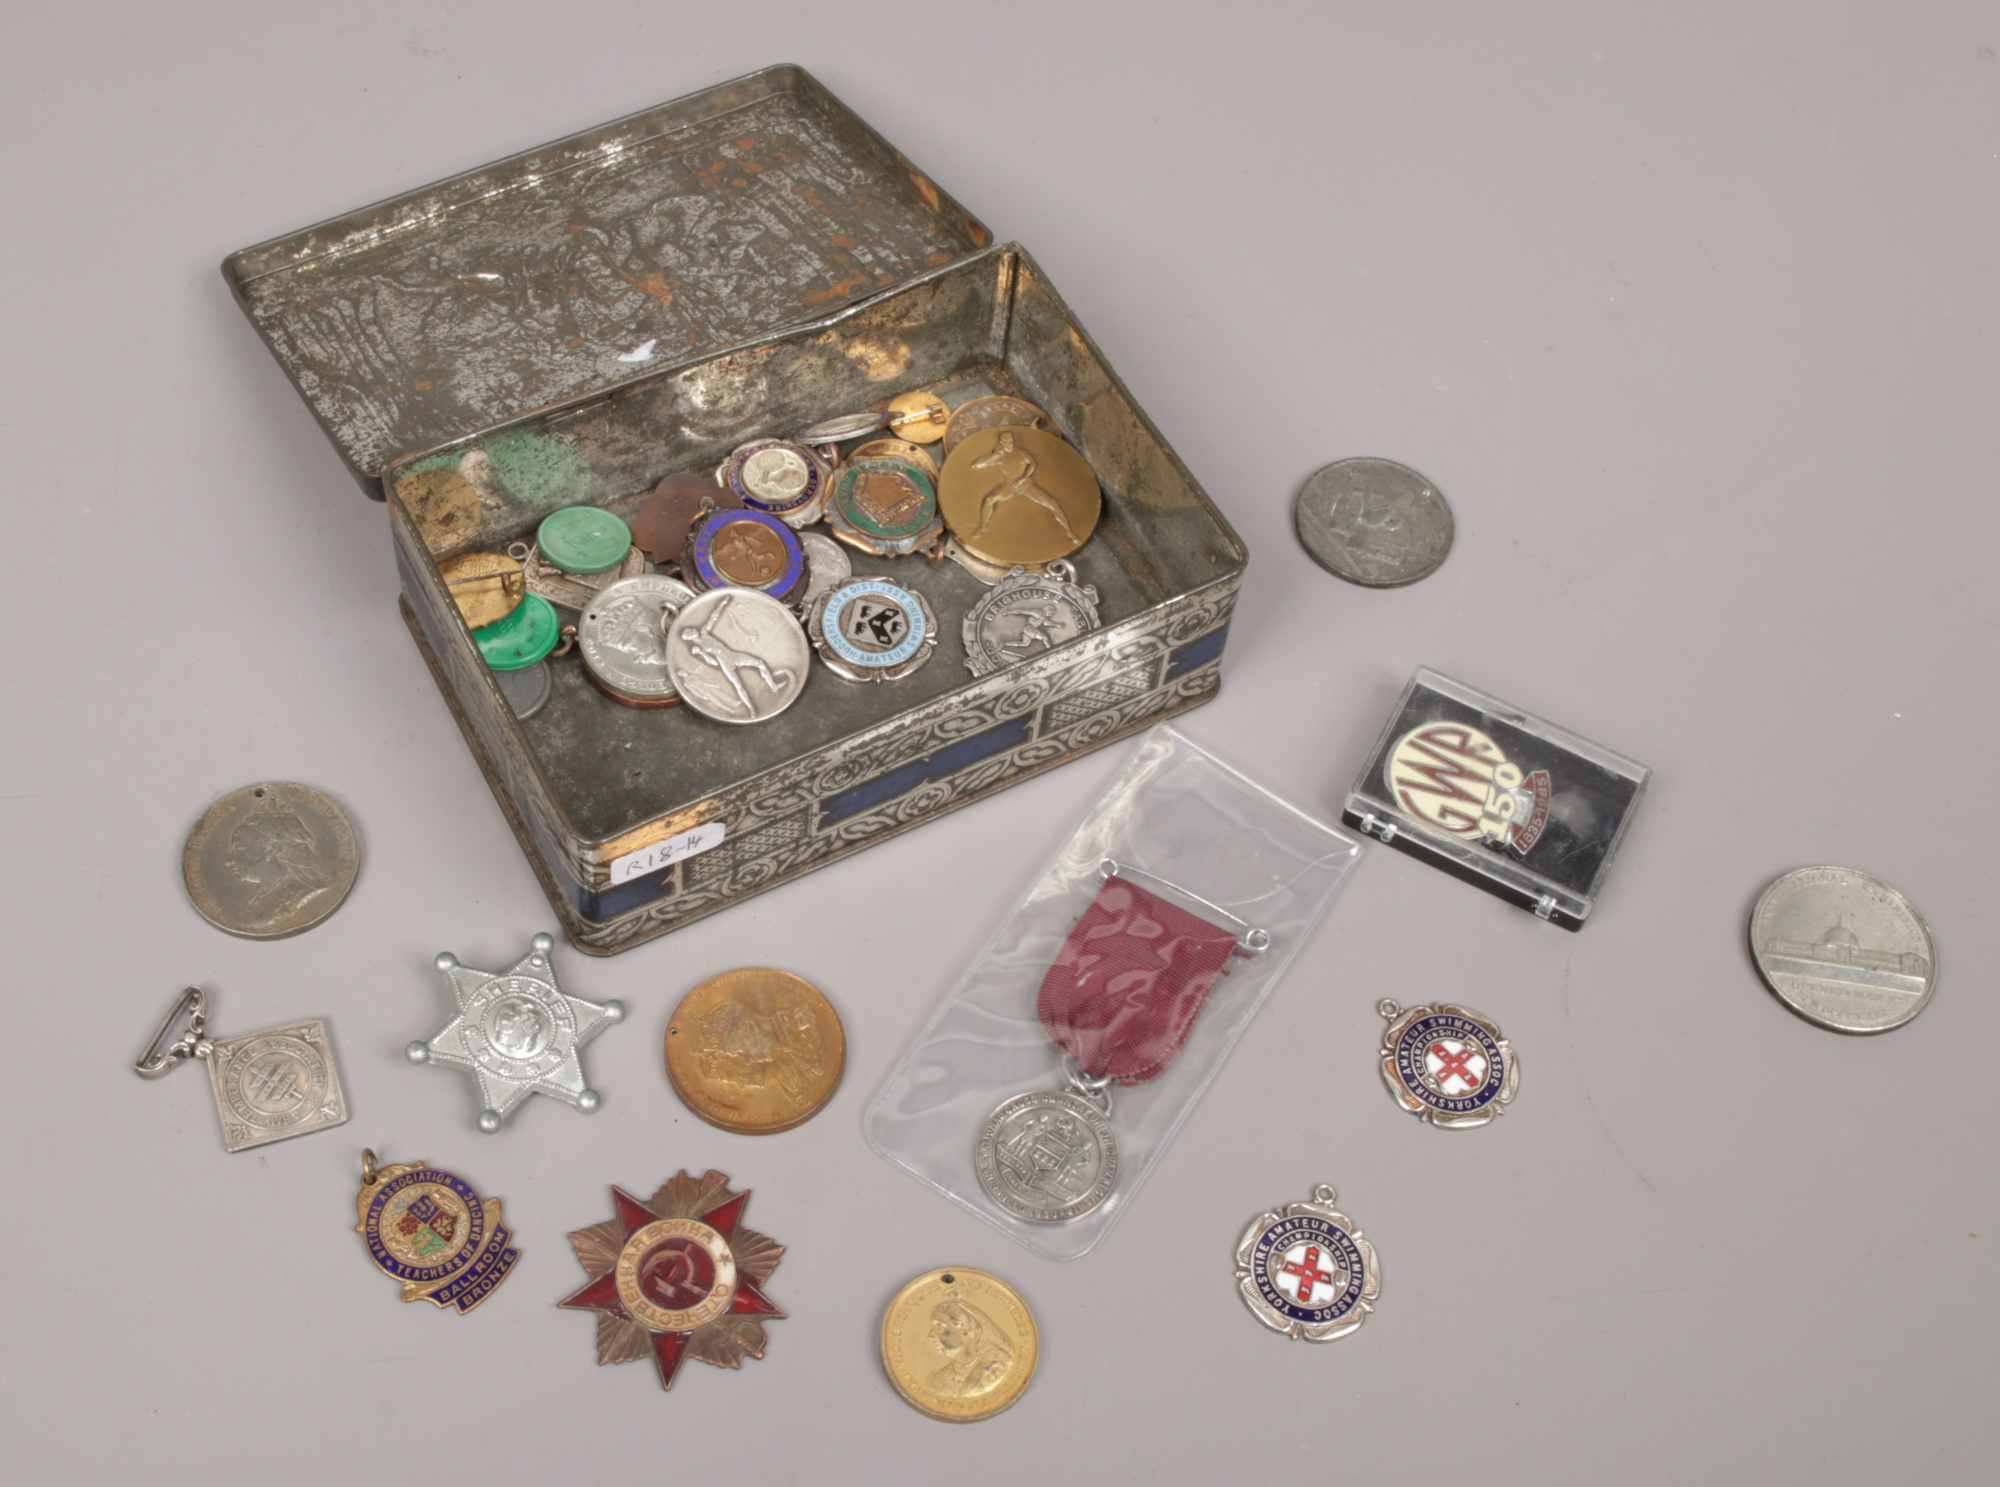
583 539
522 637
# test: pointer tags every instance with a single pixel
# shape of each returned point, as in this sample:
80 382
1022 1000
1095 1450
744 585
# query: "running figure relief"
711 650
1017 478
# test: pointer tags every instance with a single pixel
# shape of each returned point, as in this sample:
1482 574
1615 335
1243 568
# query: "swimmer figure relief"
712 650
1017 469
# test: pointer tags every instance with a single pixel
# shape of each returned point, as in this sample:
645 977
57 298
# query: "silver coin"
1843 950
737 656
622 637
846 426
270 860
526 688
827 566
1047 1156
1374 522
1026 614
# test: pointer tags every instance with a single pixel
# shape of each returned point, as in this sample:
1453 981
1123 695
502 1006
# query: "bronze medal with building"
1019 495
755 1051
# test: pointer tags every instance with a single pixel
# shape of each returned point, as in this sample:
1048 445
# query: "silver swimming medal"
518 1033
1306 1271
1026 614
737 656
622 634
1447 1065
1049 1156
872 630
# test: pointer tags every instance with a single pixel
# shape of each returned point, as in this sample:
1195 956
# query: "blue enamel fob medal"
1306 1271
1447 1065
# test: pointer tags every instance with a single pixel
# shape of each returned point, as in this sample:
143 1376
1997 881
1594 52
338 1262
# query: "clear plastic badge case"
1497 796
1178 831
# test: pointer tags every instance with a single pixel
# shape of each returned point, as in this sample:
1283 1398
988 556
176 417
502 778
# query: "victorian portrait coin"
1018 495
1374 522
737 656
1843 950
996 412
920 417
959 1344
622 637
486 586
270 860
755 1051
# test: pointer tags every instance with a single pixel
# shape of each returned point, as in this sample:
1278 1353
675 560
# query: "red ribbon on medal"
1124 991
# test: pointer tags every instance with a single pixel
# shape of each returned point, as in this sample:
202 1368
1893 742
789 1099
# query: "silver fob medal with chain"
1447 1065
1050 1156
269 1086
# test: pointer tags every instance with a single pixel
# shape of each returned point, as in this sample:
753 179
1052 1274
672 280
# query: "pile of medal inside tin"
759 589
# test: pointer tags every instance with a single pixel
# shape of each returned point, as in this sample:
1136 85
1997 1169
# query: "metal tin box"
1499 797
573 324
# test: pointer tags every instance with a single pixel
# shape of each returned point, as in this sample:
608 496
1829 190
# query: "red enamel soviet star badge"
677 1276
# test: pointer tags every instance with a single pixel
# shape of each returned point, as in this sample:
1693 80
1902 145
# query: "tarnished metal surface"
579 266
587 782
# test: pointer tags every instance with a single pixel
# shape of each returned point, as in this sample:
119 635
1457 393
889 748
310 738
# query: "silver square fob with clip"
269 1086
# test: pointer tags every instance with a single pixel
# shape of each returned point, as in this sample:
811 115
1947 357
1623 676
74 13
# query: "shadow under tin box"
573 324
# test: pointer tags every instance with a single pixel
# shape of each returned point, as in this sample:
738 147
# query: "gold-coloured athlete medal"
920 417
959 1344
995 412
677 1276
486 586
1019 495
428 1229
755 1051
268 1086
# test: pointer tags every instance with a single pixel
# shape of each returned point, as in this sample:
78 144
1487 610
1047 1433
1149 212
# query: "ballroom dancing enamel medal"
677 1276
1304 1270
428 1229
1447 1065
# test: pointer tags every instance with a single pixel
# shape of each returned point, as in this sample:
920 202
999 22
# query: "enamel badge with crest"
1306 1271
1447 1065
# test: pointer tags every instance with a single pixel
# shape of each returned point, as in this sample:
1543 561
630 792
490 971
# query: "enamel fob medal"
517 1033
269 1086
1306 1271
677 1276
1447 1065
428 1229
1119 1001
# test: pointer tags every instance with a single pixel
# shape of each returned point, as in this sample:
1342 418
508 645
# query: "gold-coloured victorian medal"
959 1344
428 1229
269 1086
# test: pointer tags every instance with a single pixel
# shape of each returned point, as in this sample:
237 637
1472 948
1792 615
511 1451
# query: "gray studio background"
1691 312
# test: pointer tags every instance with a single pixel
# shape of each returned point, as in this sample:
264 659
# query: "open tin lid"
575 268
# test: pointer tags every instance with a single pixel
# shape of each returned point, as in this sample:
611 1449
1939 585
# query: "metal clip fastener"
1386 830
1252 942
161 1055
1545 907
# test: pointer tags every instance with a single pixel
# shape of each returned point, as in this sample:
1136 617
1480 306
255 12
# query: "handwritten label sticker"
667 853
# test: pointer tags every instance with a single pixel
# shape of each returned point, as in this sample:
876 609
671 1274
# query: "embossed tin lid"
572 269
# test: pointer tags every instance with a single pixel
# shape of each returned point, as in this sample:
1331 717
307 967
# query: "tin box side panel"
1168 535
570 269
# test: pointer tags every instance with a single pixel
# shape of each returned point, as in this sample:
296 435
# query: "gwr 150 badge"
1305 1270
1447 1065
1460 782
